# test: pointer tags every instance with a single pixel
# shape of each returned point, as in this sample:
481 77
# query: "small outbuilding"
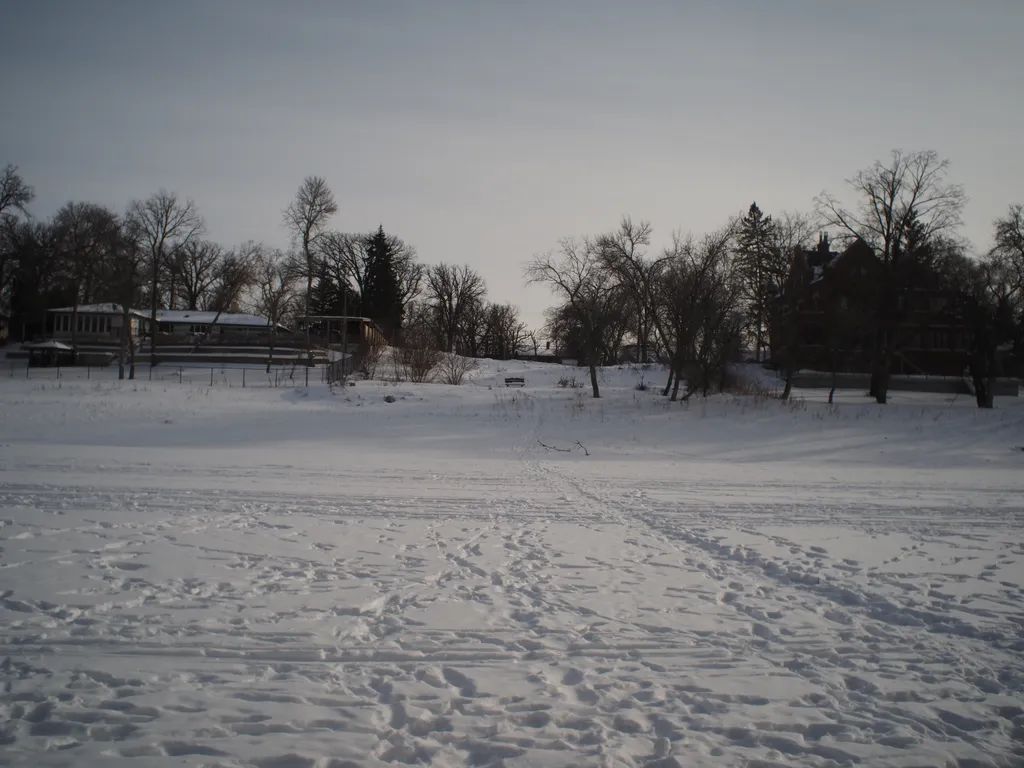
49 353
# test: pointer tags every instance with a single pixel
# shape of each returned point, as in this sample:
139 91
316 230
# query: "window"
940 338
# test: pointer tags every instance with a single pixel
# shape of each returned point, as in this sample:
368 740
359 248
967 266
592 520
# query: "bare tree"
345 259
85 234
989 297
505 333
697 299
624 253
164 225
793 230
128 269
235 273
196 270
410 274
15 195
1007 255
306 217
274 296
452 291
587 293
347 262
793 233
905 198
471 338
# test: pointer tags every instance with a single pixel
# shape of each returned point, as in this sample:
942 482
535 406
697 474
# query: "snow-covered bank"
291 577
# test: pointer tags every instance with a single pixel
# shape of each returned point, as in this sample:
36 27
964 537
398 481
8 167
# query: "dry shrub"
373 359
452 368
413 363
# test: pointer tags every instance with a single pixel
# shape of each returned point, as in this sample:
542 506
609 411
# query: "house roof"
195 317
100 309
49 344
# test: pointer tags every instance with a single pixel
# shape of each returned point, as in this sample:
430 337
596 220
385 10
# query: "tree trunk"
74 329
273 338
122 349
881 368
983 393
305 311
787 390
882 382
593 374
152 313
981 367
671 377
675 384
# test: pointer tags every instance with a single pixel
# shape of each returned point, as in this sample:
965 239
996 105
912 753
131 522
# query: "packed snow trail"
395 602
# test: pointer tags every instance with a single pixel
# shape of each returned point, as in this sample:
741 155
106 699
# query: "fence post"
307 375
243 378
179 374
211 377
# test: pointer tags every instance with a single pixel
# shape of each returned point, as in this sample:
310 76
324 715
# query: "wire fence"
206 375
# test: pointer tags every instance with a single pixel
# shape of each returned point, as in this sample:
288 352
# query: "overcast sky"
482 132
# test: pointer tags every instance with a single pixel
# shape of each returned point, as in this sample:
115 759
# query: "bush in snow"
452 368
373 358
414 363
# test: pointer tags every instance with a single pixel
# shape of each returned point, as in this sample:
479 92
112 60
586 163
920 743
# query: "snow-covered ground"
196 575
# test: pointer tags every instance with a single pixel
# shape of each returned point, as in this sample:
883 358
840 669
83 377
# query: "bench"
515 381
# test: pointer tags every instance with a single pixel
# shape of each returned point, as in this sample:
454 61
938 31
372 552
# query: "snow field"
269 577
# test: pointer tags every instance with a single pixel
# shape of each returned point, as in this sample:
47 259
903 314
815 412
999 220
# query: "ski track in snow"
542 614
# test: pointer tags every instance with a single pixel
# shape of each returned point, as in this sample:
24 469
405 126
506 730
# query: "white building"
96 323
188 323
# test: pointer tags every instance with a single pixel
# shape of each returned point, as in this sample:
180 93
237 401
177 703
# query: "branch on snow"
553 448
563 450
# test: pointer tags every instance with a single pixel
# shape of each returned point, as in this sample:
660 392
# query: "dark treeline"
749 285
155 255
695 305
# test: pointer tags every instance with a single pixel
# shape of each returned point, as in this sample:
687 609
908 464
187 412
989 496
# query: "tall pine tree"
761 267
329 295
381 300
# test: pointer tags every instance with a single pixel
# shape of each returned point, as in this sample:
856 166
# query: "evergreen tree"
329 295
761 269
381 300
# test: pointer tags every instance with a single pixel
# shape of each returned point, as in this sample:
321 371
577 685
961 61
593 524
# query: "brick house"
829 306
